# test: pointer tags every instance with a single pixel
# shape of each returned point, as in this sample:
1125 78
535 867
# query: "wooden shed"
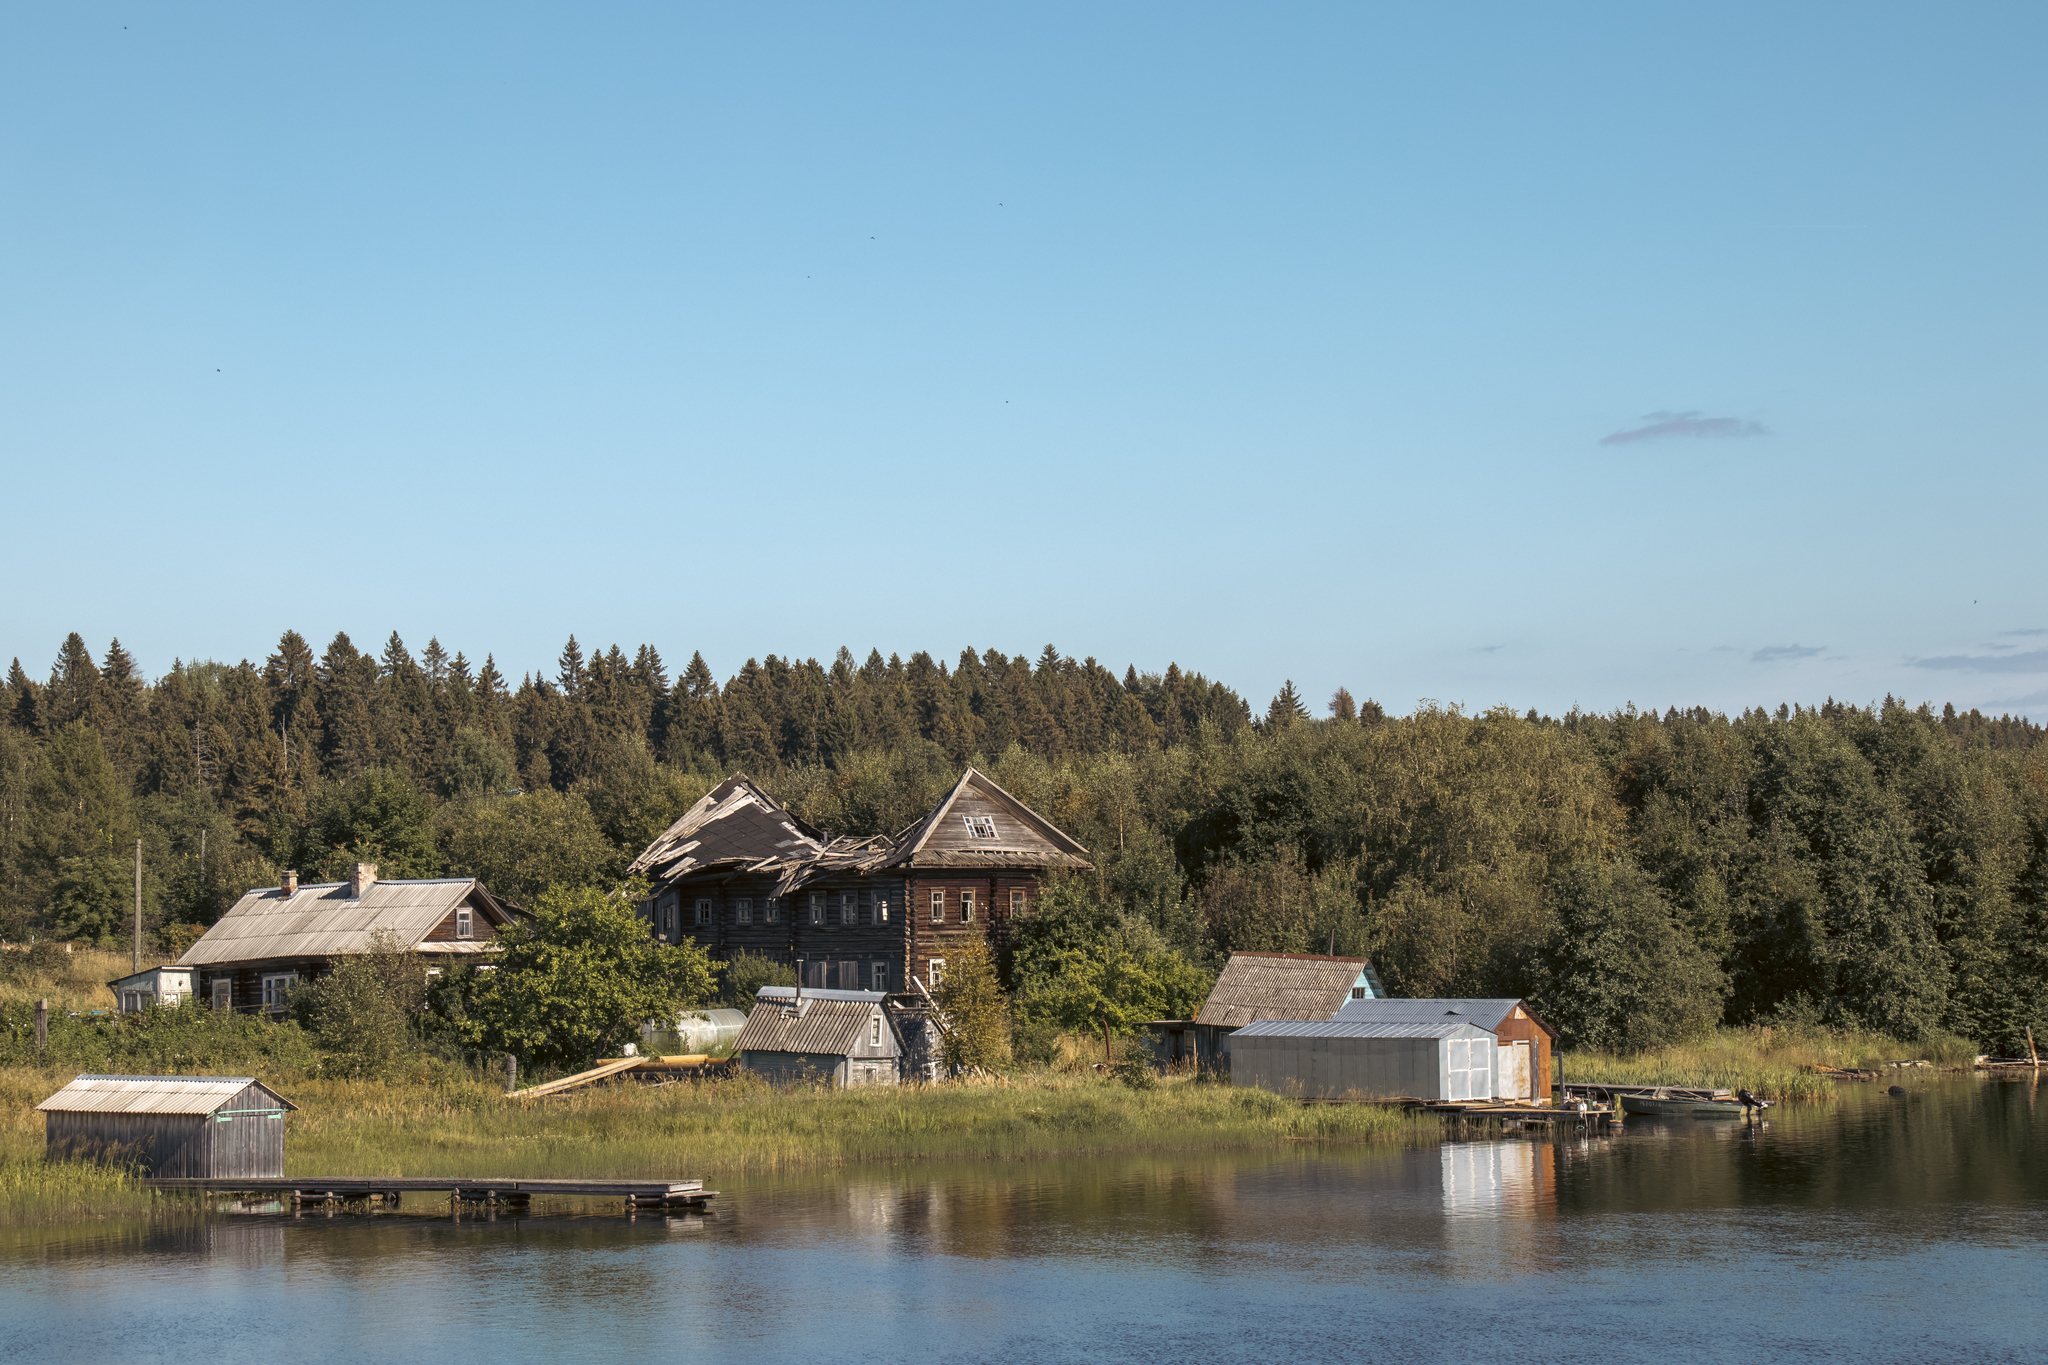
1525 1040
190 1127
1257 985
845 1037
1334 1058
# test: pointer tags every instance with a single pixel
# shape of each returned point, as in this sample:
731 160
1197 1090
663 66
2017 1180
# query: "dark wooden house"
738 873
277 936
193 1127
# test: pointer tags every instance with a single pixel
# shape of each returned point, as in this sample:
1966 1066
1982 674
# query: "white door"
1514 1081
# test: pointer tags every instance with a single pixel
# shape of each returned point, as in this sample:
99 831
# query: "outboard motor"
1750 1101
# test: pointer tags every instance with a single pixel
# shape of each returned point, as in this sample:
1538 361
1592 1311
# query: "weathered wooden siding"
193 1146
1013 834
1523 1029
838 952
997 901
481 930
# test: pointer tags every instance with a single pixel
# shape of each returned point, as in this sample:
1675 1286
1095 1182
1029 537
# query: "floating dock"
1593 1118
1602 1093
390 1191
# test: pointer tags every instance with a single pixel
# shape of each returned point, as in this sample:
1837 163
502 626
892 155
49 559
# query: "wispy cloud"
2031 699
1771 654
1662 424
2038 630
2033 661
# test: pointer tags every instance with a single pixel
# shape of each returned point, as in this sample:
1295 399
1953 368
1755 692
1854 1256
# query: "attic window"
980 826
1358 992
464 926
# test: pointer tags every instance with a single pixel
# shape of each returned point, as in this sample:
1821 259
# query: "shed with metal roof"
193 1127
1337 1059
1525 1040
844 1037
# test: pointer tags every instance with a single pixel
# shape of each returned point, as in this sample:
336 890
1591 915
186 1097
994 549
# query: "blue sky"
1653 354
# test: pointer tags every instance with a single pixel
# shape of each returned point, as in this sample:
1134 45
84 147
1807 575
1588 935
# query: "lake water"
1871 1229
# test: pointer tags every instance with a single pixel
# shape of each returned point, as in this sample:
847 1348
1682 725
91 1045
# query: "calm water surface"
1873 1229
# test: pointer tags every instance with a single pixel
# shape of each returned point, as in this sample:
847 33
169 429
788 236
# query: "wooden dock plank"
361 1184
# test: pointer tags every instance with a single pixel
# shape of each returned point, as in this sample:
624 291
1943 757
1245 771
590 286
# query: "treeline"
1640 874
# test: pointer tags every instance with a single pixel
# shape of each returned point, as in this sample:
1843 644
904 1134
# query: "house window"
703 912
967 907
743 912
938 907
878 976
223 994
771 909
276 986
938 970
1017 904
881 912
980 826
817 907
464 928
874 1030
1358 992
849 907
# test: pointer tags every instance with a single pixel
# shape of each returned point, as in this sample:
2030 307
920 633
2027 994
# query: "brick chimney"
362 879
290 887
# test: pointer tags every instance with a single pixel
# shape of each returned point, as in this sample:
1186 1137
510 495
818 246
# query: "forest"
1639 875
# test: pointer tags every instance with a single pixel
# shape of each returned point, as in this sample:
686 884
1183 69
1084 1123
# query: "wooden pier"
1603 1093
1593 1118
390 1191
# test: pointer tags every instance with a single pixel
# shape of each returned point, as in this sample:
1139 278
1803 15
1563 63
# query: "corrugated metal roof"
825 1026
323 920
1487 1014
1257 986
1338 1028
785 994
152 1095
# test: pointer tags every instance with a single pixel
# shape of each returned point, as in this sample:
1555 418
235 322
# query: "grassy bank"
1778 1063
710 1129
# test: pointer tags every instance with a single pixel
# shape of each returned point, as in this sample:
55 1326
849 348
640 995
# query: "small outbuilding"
189 1127
1334 1058
1523 1063
1255 986
167 986
846 1037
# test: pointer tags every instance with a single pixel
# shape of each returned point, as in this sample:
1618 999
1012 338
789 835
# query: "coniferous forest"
1639 874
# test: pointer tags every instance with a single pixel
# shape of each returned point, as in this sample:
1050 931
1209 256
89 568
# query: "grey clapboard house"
197 1127
1254 986
843 1037
277 936
1336 1058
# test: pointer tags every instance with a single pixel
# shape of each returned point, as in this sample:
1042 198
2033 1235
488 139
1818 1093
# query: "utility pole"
138 905
43 1024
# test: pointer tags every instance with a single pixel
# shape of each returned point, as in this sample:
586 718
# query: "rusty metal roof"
325 921
153 1095
1257 986
833 1027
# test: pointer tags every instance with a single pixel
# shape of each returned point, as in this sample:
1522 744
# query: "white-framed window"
980 826
817 907
878 976
465 925
1358 992
743 912
223 994
881 911
276 987
938 972
938 907
849 907
771 909
966 907
874 1030
1017 904
704 912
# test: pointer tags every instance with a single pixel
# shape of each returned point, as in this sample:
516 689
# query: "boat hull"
1679 1109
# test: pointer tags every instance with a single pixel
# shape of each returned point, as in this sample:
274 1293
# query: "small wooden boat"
1662 1106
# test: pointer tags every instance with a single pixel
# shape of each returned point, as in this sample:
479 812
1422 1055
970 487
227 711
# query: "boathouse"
191 1127
877 914
844 1037
1337 1059
1524 1064
1255 986
275 937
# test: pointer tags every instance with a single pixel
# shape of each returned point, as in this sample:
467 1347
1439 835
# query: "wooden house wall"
994 908
481 930
1013 833
832 951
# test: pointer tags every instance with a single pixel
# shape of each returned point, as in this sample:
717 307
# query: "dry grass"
1778 1063
71 981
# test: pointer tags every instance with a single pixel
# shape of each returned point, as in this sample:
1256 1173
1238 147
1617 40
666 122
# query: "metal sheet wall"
1330 1068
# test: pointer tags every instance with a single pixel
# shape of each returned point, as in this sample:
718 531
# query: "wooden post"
2032 1055
511 1073
43 1024
138 905
1105 1040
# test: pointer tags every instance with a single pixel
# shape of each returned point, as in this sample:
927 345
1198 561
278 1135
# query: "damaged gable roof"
739 827
1256 986
981 825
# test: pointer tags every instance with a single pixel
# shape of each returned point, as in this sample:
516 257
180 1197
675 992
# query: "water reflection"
1727 1233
